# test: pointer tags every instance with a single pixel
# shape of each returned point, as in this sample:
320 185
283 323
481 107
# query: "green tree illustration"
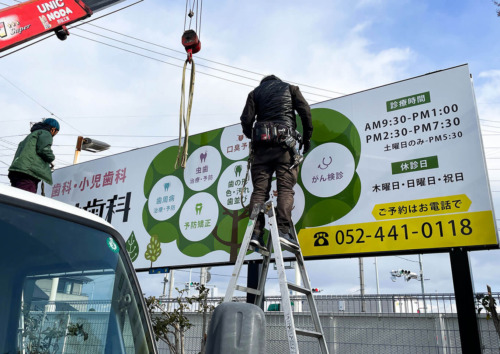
132 247
153 250
227 234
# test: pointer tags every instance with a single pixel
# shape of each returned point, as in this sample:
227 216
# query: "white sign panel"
394 168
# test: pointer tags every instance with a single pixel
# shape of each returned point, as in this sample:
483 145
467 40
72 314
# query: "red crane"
34 18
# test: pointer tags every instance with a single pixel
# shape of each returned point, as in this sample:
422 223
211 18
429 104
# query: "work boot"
288 240
258 241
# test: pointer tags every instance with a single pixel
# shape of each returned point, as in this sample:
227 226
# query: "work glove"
307 146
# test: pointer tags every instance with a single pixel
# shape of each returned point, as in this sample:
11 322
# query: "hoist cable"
191 8
185 117
185 15
197 15
201 12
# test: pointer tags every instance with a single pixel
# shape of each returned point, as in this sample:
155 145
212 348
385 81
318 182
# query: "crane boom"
28 20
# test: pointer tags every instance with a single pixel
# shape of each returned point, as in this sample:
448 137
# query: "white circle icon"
198 216
165 198
234 144
202 168
327 170
231 184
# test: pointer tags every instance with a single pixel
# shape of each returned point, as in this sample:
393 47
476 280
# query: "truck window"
65 288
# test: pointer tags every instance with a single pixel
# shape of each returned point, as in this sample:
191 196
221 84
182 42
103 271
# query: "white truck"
67 284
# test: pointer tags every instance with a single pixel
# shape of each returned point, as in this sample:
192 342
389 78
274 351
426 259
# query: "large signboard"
396 168
420 178
30 19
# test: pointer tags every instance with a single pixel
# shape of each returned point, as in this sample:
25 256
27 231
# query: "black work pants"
268 160
23 181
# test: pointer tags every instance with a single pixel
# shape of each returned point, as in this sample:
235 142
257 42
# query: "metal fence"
394 304
395 323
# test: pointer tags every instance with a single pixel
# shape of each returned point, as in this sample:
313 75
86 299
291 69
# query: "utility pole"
362 284
422 280
170 289
379 304
165 281
203 275
189 287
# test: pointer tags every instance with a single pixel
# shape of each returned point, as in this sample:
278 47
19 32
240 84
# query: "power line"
165 55
212 61
161 61
109 13
406 259
178 66
489 126
129 136
125 116
86 22
24 93
38 103
182 60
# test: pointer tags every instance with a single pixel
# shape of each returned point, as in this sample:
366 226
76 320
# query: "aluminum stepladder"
273 243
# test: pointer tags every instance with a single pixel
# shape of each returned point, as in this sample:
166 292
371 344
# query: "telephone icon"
321 239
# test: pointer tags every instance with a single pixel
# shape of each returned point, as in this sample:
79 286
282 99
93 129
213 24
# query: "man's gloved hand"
307 146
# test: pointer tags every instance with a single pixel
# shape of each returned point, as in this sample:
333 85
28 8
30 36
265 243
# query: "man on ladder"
268 119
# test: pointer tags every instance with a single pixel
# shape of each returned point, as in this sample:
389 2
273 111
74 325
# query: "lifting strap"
185 116
191 42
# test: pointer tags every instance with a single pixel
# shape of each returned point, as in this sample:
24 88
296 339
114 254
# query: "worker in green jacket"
34 156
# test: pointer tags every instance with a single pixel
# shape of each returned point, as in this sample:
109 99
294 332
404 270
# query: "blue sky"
131 101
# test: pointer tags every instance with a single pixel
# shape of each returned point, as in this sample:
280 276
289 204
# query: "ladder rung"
290 249
258 250
300 289
274 242
248 290
305 332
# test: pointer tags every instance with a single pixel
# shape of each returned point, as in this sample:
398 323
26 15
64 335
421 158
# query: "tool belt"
269 133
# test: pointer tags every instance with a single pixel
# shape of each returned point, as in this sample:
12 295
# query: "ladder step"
305 332
290 249
300 289
279 246
247 290
258 250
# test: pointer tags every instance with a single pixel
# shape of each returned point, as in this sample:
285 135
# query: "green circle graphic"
227 234
331 126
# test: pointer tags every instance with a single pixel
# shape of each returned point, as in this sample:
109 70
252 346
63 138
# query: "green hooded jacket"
34 155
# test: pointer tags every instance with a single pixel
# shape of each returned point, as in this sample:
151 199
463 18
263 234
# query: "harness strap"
185 117
245 181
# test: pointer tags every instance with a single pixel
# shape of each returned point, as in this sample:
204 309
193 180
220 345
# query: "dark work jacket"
276 101
34 154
